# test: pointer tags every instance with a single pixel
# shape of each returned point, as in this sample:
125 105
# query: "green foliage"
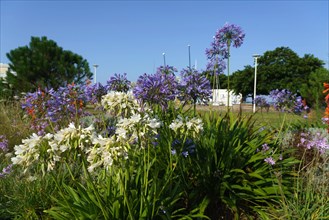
13 124
281 68
220 82
147 186
25 197
312 89
309 199
5 90
242 81
44 64
230 170
224 176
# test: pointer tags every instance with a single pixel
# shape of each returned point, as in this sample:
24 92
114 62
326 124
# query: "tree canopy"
312 90
44 64
281 68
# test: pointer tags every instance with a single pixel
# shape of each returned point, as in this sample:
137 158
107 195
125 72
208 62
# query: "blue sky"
130 36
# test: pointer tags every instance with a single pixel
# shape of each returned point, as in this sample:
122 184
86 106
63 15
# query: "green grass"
271 118
13 124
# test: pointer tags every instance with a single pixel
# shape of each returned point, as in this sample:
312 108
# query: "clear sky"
131 36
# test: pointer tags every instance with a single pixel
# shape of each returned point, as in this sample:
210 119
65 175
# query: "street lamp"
164 59
256 56
95 69
189 56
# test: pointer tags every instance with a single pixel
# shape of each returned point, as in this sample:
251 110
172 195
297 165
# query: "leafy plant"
231 169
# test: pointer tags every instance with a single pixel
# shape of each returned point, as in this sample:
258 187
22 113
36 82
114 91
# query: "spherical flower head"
156 88
194 86
119 83
229 34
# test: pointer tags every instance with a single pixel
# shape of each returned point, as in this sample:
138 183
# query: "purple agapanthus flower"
94 92
216 64
119 83
56 106
156 88
229 34
286 101
194 86
261 101
186 149
167 70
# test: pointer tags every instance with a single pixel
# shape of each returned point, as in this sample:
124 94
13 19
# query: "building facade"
3 70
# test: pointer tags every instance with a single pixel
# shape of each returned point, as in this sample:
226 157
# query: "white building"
219 97
3 69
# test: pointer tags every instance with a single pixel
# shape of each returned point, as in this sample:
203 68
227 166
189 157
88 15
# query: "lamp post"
189 55
164 59
256 56
95 69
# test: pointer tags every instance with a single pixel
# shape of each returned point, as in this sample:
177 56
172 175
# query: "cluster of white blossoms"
186 126
104 152
137 129
120 103
67 139
28 152
51 148
132 133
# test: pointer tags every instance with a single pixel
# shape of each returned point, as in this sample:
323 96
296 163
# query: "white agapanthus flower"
186 126
120 104
27 152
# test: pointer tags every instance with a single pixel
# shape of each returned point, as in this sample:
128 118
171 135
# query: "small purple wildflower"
173 152
6 170
3 143
280 157
313 139
270 161
185 153
186 149
265 147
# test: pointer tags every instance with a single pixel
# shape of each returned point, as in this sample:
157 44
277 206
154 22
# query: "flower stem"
228 76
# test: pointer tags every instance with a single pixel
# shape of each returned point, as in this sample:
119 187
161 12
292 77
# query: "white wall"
219 97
